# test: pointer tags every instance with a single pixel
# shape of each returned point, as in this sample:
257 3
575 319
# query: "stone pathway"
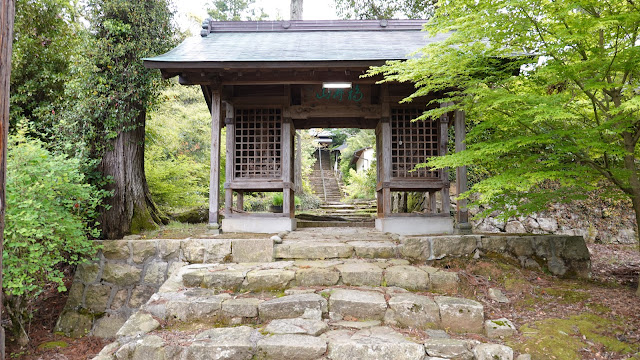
331 293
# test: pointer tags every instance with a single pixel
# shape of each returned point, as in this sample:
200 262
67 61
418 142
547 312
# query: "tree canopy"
235 10
384 9
552 89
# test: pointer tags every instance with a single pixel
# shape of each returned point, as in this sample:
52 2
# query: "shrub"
49 214
362 185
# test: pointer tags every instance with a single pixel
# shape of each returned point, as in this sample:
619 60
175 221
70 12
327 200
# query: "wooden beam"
462 212
214 173
288 200
7 13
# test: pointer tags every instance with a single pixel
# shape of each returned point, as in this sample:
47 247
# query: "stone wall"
127 272
565 256
597 221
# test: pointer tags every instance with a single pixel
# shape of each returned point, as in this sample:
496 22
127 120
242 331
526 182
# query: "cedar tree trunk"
131 208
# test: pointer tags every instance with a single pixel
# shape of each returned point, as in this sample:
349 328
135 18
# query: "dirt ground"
595 319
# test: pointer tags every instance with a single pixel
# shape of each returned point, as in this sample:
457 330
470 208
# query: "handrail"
324 188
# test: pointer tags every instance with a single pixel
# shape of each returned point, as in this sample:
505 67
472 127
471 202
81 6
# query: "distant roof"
242 43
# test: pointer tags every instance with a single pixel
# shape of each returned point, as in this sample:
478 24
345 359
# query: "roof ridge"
211 26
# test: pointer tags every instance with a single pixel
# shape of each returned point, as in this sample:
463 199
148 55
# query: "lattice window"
258 153
412 143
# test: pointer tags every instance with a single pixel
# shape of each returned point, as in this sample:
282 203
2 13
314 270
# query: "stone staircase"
341 293
323 180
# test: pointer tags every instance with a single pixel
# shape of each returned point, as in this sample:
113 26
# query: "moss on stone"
53 345
561 339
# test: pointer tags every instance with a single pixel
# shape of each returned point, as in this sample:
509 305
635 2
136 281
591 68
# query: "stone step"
291 341
337 206
283 275
321 224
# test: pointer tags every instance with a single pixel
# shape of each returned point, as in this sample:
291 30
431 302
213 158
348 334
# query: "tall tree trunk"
634 184
7 13
296 9
130 209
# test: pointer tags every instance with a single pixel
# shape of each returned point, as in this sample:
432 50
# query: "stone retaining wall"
106 292
565 256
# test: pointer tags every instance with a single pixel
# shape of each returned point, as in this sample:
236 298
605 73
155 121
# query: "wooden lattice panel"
258 153
412 143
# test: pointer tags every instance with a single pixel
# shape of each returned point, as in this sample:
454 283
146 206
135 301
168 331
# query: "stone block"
87 272
416 248
461 315
444 280
142 250
359 325
156 273
193 277
296 326
193 251
291 306
75 295
224 279
514 227
362 305
73 324
216 250
499 328
317 277
412 311
96 297
140 295
121 274
149 347
312 250
449 348
189 305
520 246
461 245
407 277
252 250
236 343
169 249
240 307
269 279
138 324
374 249
116 249
119 299
379 343
497 296
493 352
291 347
108 325
360 274
497 244
259 224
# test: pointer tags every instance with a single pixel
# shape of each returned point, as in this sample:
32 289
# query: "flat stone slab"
379 343
269 279
312 250
407 277
374 249
186 305
413 311
291 347
138 324
499 328
224 279
296 326
362 305
449 348
360 274
291 306
252 250
444 280
224 343
493 352
240 307
461 315
360 325
317 276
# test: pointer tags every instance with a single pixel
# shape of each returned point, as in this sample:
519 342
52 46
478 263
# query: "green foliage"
553 129
362 185
49 218
359 140
45 41
177 153
385 9
236 10
111 89
308 148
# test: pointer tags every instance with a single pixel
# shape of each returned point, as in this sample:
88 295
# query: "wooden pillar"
214 173
240 202
433 207
297 164
229 122
288 195
444 137
462 213
386 166
7 11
